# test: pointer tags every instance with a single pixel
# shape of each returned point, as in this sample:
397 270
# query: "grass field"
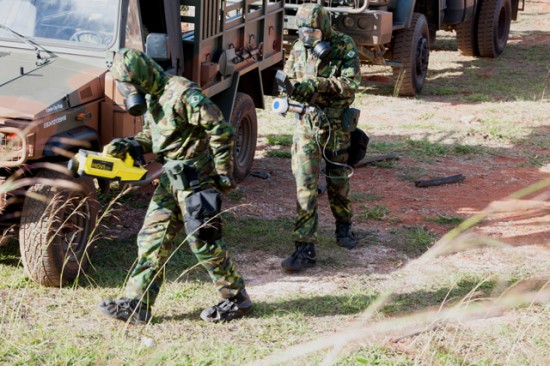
454 276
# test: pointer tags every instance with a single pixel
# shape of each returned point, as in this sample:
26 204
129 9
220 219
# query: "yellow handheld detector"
102 165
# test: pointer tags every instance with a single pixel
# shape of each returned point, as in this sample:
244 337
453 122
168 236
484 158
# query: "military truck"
57 97
398 33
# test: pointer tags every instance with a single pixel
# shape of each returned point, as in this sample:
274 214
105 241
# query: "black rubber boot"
128 310
344 236
302 258
229 309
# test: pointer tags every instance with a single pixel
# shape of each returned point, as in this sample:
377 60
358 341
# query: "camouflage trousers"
316 139
163 222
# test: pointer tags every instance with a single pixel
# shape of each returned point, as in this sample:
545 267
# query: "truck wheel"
245 122
412 49
466 38
55 227
495 17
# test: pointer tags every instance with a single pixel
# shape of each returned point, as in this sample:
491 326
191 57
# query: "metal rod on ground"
439 181
372 159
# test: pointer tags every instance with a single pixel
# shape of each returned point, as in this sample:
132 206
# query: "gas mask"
133 97
313 39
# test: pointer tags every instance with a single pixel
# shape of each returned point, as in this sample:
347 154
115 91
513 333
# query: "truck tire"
55 227
466 38
245 121
495 17
412 49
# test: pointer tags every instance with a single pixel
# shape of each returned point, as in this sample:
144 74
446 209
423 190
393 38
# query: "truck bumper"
373 27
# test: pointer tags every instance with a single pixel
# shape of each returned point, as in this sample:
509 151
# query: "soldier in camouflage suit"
182 126
325 70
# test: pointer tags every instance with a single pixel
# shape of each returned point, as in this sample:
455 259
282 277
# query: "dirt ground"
523 223
483 184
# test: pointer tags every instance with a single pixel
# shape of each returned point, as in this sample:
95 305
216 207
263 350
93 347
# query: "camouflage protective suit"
181 123
332 81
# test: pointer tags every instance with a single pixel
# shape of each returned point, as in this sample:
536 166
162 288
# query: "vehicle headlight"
14 147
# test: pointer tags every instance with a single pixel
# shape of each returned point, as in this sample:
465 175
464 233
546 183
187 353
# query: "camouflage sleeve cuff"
223 157
323 85
144 138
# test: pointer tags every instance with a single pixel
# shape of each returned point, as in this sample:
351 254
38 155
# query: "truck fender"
71 141
247 83
226 99
402 16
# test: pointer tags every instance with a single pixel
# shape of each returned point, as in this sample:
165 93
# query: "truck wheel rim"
422 58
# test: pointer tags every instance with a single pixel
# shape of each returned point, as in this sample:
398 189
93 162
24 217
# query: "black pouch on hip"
179 174
359 142
350 118
201 216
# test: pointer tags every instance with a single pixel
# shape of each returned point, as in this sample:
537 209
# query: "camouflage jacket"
338 76
183 123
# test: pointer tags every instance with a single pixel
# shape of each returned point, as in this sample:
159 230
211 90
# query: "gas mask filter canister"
133 97
321 49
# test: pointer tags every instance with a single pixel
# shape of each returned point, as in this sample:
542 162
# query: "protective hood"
133 66
314 16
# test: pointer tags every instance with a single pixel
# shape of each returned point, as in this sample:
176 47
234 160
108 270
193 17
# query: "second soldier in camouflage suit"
325 69
184 128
